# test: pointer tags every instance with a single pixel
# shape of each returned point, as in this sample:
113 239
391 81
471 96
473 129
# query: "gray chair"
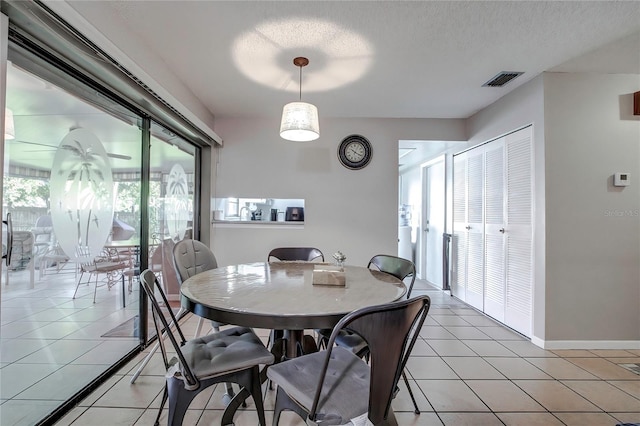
292 254
190 257
233 355
330 387
400 268
306 254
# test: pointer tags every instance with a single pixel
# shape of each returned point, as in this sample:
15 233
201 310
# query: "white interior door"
494 289
459 235
433 225
518 231
475 228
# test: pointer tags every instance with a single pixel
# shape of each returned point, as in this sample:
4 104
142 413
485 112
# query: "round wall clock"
355 152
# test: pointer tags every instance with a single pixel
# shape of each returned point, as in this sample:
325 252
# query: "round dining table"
283 296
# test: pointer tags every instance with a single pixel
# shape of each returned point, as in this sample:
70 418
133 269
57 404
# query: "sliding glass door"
171 202
95 191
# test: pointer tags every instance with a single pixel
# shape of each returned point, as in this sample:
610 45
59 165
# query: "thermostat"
621 179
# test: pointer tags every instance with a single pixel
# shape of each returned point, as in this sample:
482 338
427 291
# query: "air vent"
502 78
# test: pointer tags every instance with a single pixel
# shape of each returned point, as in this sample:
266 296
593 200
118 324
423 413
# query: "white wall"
523 106
355 212
593 228
587 256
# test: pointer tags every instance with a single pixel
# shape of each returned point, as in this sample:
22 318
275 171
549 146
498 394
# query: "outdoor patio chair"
104 264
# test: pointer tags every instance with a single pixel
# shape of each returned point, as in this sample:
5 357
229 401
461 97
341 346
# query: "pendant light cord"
300 94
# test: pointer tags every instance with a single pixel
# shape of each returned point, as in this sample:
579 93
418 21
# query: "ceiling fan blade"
119 156
34 143
53 148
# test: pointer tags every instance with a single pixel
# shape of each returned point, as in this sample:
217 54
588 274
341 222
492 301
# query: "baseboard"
585 344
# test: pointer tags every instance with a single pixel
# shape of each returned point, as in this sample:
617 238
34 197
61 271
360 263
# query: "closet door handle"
502 230
467 227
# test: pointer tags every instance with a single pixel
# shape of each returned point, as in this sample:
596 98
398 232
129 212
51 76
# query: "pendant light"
300 119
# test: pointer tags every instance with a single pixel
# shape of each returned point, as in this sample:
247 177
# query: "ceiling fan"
54 148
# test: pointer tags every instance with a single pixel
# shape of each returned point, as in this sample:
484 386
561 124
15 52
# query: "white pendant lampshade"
9 126
299 122
299 119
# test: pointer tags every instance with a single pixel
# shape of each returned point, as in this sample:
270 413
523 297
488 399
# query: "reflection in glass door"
171 202
71 183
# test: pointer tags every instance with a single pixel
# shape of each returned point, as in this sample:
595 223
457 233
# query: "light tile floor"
466 369
51 345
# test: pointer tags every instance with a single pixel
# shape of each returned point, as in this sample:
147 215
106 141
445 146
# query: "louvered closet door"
518 231
494 286
459 236
475 228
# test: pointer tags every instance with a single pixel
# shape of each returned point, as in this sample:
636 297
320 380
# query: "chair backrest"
151 286
307 254
390 331
84 257
396 266
191 257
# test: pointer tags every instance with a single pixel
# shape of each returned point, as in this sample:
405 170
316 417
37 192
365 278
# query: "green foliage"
23 192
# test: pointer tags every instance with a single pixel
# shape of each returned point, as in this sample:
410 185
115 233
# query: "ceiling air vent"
502 78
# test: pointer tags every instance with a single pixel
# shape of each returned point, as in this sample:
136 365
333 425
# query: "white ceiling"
369 59
419 59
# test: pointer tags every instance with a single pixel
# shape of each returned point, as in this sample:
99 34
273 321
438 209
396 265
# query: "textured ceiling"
367 59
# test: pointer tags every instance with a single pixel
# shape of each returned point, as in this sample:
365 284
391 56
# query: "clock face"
355 152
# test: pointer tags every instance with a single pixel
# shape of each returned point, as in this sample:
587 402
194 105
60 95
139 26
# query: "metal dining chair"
400 268
292 254
190 257
341 377
231 356
306 254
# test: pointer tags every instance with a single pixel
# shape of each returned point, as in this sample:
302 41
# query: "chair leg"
77 285
256 393
250 384
95 290
415 404
199 327
284 402
153 350
179 400
165 395
321 342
